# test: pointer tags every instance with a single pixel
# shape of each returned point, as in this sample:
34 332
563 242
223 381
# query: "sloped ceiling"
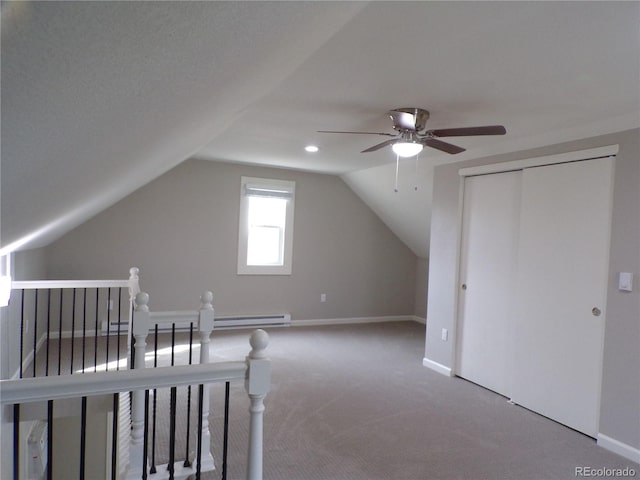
99 98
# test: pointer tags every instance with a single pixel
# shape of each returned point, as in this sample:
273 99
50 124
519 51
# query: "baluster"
106 362
35 333
140 332
257 385
114 437
60 333
46 367
84 326
95 337
205 327
22 333
17 454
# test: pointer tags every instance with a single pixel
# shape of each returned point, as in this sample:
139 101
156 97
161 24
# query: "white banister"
206 317
37 389
139 331
50 284
132 283
255 370
257 384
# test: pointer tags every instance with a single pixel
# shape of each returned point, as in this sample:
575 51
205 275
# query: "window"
266 226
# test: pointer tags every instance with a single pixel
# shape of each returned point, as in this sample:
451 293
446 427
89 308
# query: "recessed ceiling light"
311 148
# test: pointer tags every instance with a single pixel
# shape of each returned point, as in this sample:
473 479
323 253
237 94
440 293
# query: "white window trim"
284 189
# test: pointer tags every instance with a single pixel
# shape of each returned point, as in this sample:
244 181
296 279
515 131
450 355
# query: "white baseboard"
417 319
616 446
76 334
29 358
347 321
438 367
42 339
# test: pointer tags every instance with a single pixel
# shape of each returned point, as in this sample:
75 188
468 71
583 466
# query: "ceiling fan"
409 141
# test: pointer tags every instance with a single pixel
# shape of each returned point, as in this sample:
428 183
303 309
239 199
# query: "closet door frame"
589 154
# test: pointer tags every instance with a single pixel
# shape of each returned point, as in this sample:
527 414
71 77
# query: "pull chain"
397 166
415 186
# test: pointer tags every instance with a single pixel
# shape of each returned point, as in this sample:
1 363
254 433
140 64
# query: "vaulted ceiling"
99 98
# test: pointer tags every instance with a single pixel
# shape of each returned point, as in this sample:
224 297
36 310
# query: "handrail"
37 389
131 283
181 317
44 284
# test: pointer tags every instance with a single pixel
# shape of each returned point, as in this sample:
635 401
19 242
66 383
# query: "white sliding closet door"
487 272
561 290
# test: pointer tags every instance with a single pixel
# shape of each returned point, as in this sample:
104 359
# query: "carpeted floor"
353 402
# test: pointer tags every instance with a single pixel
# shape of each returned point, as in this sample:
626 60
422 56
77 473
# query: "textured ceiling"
98 98
537 67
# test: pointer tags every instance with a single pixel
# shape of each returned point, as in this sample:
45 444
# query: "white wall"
182 230
27 265
620 406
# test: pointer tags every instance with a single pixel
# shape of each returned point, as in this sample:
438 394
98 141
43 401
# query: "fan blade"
444 146
469 131
379 146
358 133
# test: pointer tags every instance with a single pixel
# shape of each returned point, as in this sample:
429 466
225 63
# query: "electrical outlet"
323 297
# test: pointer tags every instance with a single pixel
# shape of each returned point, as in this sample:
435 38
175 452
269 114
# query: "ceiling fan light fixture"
407 149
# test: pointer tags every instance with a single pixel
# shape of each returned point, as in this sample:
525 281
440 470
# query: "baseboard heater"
246 321
219 323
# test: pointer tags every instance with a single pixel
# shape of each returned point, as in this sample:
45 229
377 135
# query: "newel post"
206 316
257 384
140 331
134 283
134 289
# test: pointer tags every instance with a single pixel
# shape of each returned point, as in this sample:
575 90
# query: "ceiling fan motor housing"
409 119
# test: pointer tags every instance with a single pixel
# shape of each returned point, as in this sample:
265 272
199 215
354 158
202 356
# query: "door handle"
595 311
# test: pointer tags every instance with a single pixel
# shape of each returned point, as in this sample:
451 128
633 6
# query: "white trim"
29 358
52 336
352 320
418 319
437 367
591 153
26 390
616 446
30 285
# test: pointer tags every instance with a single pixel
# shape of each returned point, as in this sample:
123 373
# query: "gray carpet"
355 403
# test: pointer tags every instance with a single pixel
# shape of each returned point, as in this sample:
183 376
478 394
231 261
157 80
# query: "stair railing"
144 323
255 370
82 310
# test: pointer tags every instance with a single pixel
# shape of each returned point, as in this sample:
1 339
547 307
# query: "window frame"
287 187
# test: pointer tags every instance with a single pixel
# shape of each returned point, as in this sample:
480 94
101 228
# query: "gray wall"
422 277
182 231
620 407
